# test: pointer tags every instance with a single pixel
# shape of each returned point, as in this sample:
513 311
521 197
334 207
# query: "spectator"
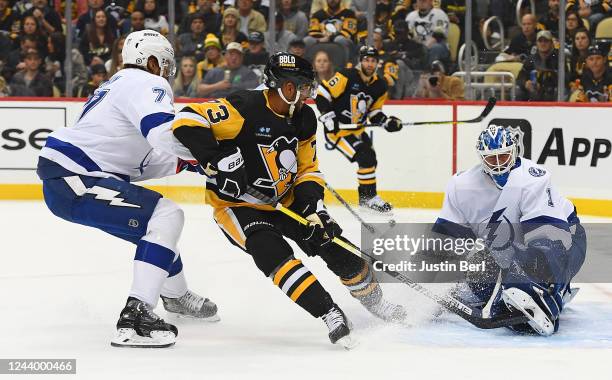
116 62
54 63
333 24
282 36
437 85
97 42
45 16
256 54
214 58
30 81
29 26
4 88
192 43
135 23
186 82
593 10
408 50
9 19
6 46
323 66
429 26
360 7
538 77
580 49
295 20
153 20
15 58
250 19
387 67
230 28
318 5
87 18
524 44
220 82
573 22
207 8
551 20
98 75
595 84
297 47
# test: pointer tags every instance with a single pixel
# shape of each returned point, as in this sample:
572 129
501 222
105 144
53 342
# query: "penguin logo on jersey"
280 159
360 103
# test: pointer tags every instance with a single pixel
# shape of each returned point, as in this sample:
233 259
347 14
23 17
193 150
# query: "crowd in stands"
222 45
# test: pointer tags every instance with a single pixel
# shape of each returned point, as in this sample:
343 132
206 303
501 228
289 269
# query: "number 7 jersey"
278 154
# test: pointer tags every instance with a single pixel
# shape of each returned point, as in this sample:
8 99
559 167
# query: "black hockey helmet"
283 67
368 51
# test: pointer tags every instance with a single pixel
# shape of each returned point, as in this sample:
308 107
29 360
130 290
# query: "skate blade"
348 342
516 299
127 337
211 319
370 211
569 296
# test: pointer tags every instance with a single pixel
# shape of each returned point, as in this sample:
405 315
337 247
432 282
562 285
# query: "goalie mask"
497 151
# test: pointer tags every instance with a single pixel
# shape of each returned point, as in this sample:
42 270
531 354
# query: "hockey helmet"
141 45
282 67
497 150
368 51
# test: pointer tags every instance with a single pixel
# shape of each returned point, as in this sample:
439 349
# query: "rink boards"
573 141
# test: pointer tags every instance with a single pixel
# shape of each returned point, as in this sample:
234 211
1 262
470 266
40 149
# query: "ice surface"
63 285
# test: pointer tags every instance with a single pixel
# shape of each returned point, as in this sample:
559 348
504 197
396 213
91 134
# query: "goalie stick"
487 110
470 314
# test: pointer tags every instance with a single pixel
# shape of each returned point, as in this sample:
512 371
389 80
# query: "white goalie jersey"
121 131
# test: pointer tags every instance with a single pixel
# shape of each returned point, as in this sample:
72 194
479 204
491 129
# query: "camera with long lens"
433 80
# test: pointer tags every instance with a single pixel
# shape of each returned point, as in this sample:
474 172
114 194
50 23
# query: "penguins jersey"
277 155
352 100
120 132
528 207
343 22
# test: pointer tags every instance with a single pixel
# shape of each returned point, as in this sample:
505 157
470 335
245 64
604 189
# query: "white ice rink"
62 287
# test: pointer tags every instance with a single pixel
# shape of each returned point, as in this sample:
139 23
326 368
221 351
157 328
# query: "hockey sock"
367 182
363 286
175 285
151 265
299 284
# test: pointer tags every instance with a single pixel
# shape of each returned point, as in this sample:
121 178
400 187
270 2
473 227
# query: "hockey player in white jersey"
534 238
87 170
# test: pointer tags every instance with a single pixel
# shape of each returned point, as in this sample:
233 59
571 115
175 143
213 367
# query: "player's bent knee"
166 224
366 157
268 249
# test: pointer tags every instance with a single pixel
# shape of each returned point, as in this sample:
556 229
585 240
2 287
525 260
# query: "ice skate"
191 305
376 204
339 328
139 326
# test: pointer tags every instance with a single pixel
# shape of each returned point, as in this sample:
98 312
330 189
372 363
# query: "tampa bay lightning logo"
536 172
500 232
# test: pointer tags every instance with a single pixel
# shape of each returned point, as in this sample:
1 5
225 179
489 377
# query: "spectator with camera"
221 81
438 85
538 77
595 83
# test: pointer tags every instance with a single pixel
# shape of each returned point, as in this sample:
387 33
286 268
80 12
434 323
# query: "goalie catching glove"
229 171
321 228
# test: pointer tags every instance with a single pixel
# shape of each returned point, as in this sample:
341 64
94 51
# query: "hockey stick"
369 227
487 110
472 315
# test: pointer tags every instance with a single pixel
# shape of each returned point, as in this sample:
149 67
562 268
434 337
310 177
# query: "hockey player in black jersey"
354 96
265 140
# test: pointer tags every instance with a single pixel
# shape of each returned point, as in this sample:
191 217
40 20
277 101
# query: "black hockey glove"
330 122
392 124
229 171
322 228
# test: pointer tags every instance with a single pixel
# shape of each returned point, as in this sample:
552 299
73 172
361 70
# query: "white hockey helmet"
140 45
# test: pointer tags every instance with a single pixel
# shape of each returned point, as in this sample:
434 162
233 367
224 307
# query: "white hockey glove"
329 122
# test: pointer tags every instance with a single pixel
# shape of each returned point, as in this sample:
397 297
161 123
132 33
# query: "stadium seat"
336 52
454 34
586 23
509 67
604 28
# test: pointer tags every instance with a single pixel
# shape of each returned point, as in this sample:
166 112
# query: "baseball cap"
597 49
256 37
297 42
545 34
234 46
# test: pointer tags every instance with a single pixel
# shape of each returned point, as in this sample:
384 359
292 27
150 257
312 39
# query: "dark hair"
574 12
575 51
109 34
58 40
38 28
27 37
154 15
